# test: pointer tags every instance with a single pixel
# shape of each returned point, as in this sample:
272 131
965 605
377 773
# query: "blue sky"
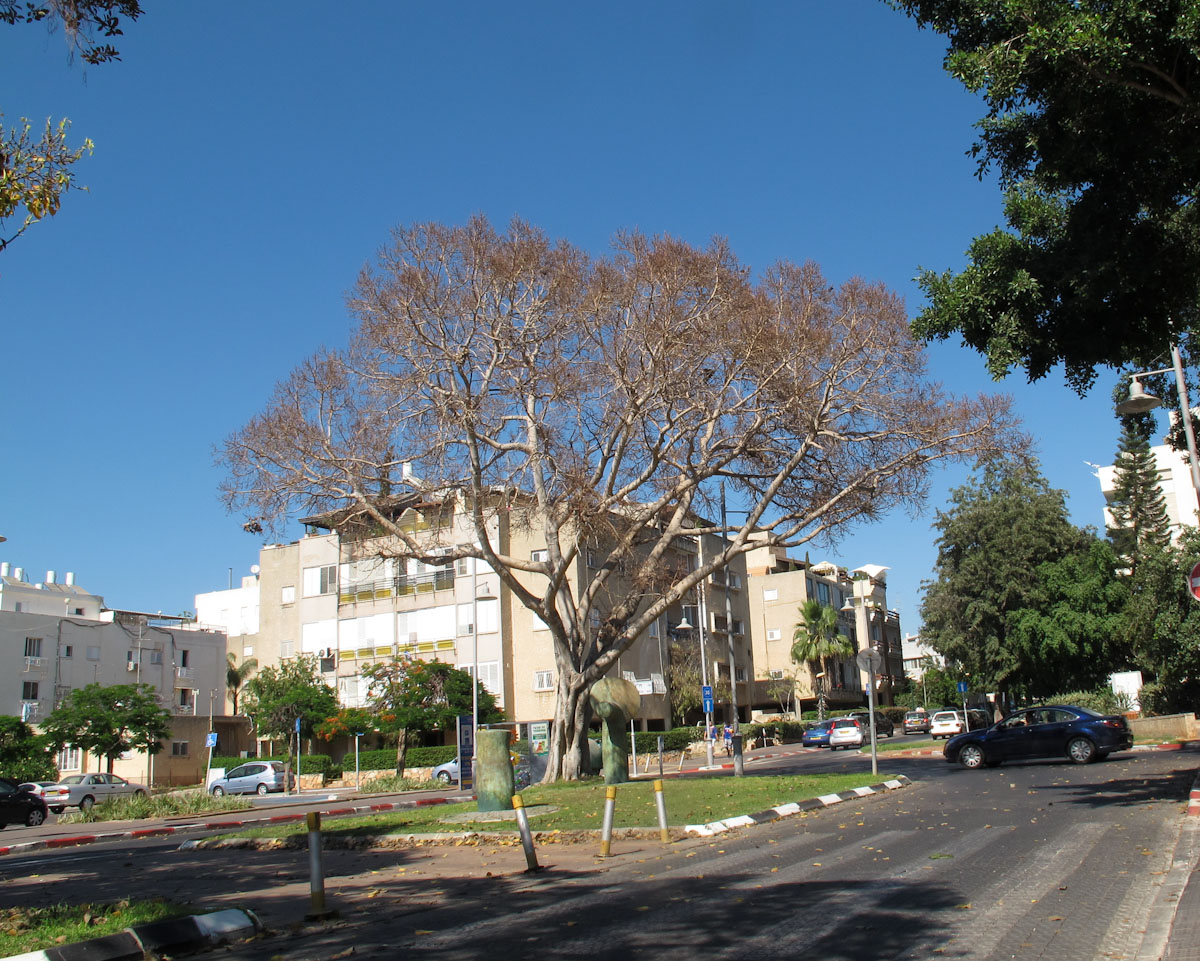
247 165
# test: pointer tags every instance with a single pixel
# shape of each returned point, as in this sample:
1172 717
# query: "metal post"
357 773
660 754
733 701
633 745
610 803
1185 411
700 615
661 804
316 871
526 835
864 634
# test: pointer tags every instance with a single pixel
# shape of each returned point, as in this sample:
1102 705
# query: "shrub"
384 759
1103 700
309 763
159 806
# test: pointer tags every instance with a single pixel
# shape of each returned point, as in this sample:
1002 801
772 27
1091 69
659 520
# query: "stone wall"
1168 727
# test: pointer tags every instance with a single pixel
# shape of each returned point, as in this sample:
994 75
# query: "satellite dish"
254 568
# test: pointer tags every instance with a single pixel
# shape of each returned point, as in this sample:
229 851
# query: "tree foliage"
816 641
409 696
1007 554
109 721
35 174
24 754
686 675
598 403
1139 511
277 696
1093 124
236 675
86 24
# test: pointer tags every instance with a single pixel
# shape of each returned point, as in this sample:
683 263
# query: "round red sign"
1194 582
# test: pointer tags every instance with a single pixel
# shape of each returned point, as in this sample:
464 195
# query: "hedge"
309 763
384 759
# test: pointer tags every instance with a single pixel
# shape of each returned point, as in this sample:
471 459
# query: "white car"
85 790
946 724
845 732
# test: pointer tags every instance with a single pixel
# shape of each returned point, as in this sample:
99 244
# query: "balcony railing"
398 586
35 663
185 672
185 708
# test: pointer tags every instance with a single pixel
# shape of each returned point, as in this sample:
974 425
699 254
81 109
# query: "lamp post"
868 658
1139 402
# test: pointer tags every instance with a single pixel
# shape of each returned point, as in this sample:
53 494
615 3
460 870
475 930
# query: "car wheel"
1081 750
444 777
87 803
57 809
139 793
35 817
218 792
261 790
971 756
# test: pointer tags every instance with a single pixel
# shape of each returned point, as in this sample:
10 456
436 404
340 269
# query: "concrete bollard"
316 884
661 804
526 834
493 771
610 803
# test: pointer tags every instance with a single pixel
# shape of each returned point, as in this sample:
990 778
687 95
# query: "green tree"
1093 125
816 641
1070 634
412 696
1000 527
277 696
1139 511
686 676
24 755
236 675
109 721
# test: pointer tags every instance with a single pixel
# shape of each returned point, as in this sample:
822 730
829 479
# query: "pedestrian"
728 741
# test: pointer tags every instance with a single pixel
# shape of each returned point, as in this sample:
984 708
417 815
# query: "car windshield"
946 716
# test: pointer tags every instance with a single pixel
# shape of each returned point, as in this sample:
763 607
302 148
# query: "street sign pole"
869 660
962 689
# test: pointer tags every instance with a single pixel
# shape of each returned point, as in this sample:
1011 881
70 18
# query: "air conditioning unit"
130 666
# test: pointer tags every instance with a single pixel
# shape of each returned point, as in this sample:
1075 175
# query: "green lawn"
37 928
580 804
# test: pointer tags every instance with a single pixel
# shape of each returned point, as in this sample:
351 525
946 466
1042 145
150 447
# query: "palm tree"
816 639
235 676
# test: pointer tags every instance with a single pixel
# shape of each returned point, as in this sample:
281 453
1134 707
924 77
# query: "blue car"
1049 731
817 735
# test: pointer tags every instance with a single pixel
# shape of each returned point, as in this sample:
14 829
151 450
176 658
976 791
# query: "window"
33 647
594 619
320 580
29 690
734 580
79 612
739 674
183 658
129 657
156 657
539 556
19 607
68 758
775 675
185 697
287 648
543 680
247 651
489 677
93 653
68 650
774 634
653 629
466 625
287 595
823 592
462 566
771 594
179 749
593 559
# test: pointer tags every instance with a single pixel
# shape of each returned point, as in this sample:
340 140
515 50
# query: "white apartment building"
55 638
1174 481
334 598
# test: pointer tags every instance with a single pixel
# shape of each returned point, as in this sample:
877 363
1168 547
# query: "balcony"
35 664
31 710
185 672
187 709
399 586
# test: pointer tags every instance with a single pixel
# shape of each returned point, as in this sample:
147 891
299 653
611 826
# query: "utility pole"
733 699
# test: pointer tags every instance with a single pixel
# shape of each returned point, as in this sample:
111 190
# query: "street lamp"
868 658
684 626
1139 402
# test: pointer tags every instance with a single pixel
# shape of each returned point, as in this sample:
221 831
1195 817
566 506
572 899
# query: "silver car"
86 790
254 777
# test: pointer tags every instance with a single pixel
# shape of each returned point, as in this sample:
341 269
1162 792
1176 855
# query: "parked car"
816 735
86 790
37 787
448 773
1055 730
916 722
19 806
883 724
847 732
254 777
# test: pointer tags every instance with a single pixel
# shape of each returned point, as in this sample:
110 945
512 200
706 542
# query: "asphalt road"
1037 860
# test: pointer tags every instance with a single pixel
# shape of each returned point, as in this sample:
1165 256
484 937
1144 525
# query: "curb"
168 829
1193 807
787 810
174 935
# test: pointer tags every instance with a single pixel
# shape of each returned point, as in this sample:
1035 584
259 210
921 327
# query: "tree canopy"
1139 511
599 402
24 755
109 721
277 696
1093 125
816 641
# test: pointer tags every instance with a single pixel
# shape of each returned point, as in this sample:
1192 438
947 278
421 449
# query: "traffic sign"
211 739
962 687
706 695
869 660
1194 582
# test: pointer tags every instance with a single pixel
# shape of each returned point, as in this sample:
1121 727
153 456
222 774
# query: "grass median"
36 928
579 805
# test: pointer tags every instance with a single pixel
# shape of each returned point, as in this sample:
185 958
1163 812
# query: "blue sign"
211 740
962 687
706 696
466 750
297 725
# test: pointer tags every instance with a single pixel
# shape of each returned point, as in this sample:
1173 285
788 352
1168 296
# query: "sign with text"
466 750
539 737
706 695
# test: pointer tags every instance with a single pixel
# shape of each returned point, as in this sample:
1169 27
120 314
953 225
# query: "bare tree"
600 401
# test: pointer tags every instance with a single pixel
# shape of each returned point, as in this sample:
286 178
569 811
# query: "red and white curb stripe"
168 829
787 810
1193 807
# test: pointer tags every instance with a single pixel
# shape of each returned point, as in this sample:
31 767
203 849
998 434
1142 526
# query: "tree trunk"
568 742
401 751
